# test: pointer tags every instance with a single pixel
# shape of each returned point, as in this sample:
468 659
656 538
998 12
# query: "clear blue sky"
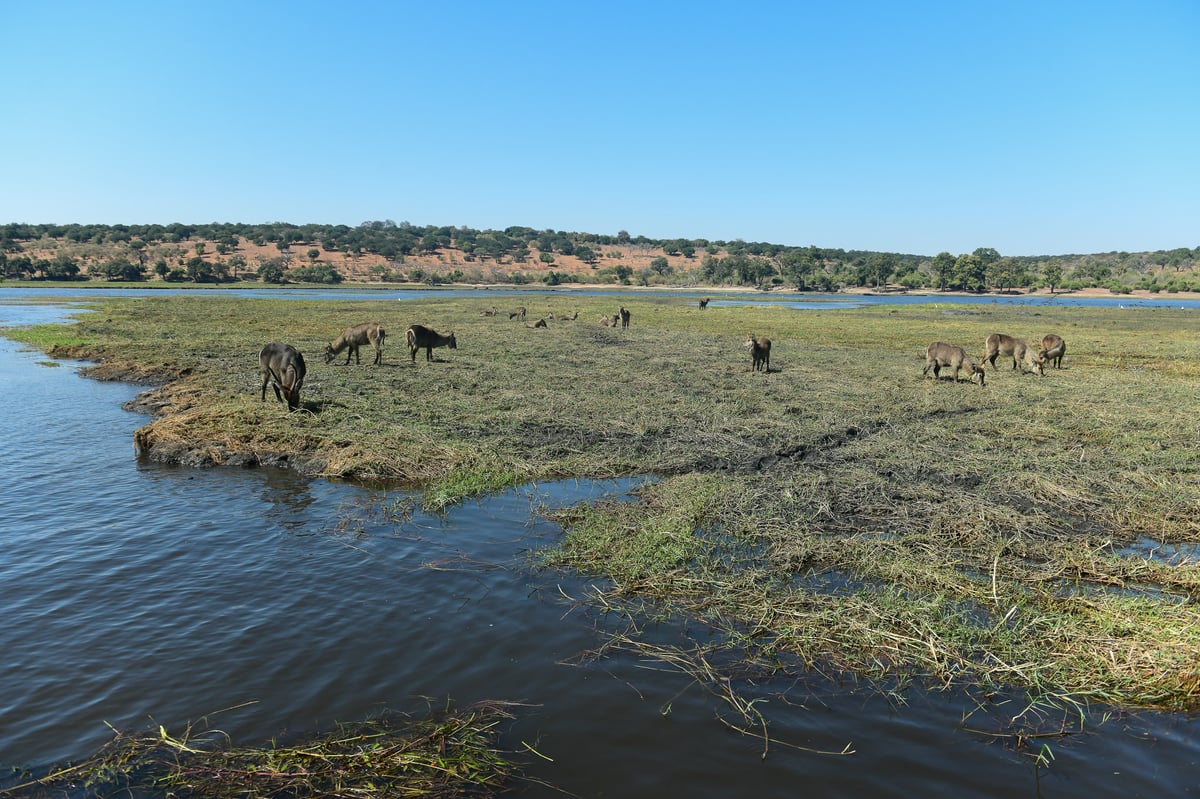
1035 128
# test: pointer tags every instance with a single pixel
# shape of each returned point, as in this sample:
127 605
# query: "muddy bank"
174 391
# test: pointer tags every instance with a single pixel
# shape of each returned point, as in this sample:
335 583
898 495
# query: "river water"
137 594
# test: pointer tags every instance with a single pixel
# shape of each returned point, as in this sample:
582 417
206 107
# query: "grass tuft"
448 754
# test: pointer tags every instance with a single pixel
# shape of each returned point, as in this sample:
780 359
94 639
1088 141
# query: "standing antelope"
704 303
282 366
624 318
355 337
1053 350
1000 344
419 336
939 354
760 353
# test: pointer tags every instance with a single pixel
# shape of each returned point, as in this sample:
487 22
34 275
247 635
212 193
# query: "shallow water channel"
136 594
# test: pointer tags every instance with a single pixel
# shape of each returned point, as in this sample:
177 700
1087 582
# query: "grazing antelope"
419 336
624 318
282 366
939 354
760 353
1000 344
520 312
704 303
1053 350
355 337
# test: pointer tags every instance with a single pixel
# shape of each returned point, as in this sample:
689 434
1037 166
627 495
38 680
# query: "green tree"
63 267
943 269
586 254
661 265
121 269
317 273
237 263
1007 273
985 257
970 273
139 249
200 270
271 272
1052 274
878 268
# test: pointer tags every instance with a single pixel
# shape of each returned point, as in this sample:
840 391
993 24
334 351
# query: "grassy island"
842 512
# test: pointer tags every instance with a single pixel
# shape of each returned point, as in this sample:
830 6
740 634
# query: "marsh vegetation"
841 513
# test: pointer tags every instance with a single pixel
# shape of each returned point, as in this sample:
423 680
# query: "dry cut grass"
448 754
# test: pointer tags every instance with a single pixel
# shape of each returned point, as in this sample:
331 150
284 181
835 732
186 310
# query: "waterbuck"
1000 344
760 353
419 336
517 314
624 318
538 323
1053 350
939 354
282 366
704 303
355 337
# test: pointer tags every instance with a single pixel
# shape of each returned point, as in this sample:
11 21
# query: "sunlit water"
135 594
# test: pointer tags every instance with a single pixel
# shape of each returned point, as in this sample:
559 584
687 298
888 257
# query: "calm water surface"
135 594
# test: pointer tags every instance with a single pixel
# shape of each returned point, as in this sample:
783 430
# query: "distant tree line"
136 252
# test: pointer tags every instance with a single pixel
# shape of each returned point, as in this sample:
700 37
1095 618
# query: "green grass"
843 511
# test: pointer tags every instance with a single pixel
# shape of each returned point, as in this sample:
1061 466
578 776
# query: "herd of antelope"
282 366
939 355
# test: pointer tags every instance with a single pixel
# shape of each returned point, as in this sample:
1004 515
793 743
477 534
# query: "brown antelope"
355 337
1000 344
569 318
939 354
419 336
1053 350
520 312
704 303
760 353
538 323
282 366
624 318
489 311
605 321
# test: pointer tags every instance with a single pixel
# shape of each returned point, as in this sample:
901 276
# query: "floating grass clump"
841 512
450 754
